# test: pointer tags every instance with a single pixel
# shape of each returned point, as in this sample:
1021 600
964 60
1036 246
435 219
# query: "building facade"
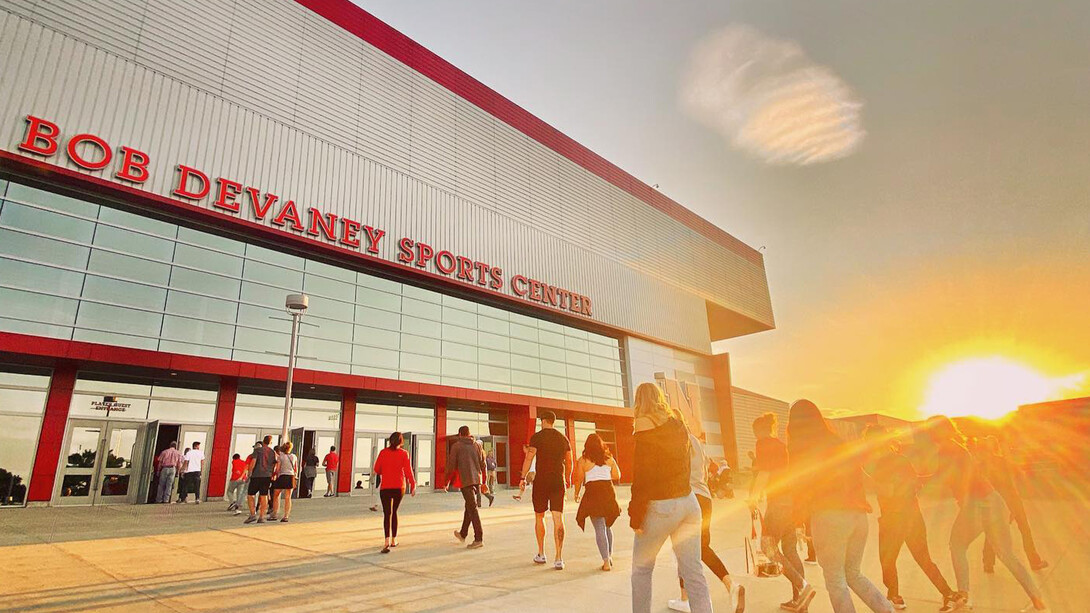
171 170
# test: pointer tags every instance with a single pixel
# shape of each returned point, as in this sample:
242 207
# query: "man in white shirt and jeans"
191 473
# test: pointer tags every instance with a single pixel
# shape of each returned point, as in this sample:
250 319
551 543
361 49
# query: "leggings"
603 535
391 500
707 555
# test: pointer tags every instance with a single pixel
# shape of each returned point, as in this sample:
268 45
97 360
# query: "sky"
917 174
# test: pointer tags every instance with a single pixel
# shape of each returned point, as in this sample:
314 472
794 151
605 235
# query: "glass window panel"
525 363
212 261
18 442
320 286
274 259
520 331
421 344
135 243
128 267
576 332
124 292
374 371
421 327
553 368
200 307
205 283
212 241
89 403
493 341
327 329
248 415
459 351
494 374
118 319
380 423
329 309
494 358
47 222
24 193
524 320
43 278
164 392
579 387
115 338
374 337
377 318
38 307
576 344
493 312
419 294
378 299
182 412
43 250
458 369
285 279
189 330
493 325
546 337
525 379
415 424
553 383
137 222
414 362
605 364
421 309
458 317
314 419
264 295
371 356
37 329
333 272
459 303
83 447
526 348
581 360
373 282
261 341
459 335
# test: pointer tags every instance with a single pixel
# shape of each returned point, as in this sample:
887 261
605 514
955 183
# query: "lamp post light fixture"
296 305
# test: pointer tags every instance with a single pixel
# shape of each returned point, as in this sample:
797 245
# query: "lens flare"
990 387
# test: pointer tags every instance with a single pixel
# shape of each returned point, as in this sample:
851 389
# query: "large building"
171 169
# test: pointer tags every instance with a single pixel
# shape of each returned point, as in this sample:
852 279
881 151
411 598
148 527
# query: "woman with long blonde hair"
663 505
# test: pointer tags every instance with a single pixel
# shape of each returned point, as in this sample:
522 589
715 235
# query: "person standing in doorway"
490 466
259 469
464 461
310 472
191 474
597 471
396 468
663 505
330 462
698 481
778 535
484 489
170 460
827 487
285 479
554 463
236 488
901 521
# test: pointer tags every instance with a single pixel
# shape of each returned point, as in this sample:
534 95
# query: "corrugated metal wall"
274 96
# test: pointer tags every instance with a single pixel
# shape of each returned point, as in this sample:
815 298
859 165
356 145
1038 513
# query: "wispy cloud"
769 99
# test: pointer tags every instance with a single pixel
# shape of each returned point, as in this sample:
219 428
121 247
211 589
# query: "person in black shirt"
554 463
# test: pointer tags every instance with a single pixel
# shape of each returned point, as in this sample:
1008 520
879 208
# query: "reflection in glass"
76 486
83 447
115 485
122 442
18 434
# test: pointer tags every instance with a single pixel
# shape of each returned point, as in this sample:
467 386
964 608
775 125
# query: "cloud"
768 99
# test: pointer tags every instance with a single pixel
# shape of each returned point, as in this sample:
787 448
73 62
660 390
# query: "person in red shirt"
236 489
330 463
394 468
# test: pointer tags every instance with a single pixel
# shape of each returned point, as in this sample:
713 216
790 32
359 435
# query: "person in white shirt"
191 473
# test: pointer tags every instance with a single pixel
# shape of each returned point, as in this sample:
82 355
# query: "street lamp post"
296 305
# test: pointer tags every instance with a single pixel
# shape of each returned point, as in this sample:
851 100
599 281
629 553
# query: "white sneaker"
558 565
539 559
679 605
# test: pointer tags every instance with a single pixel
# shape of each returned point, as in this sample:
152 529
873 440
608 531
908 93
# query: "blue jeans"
166 483
603 535
679 520
840 538
989 516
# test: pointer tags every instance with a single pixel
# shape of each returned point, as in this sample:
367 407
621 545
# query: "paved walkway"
181 558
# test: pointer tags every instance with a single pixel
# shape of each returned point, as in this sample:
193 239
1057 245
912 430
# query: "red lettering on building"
465 268
350 232
134 165
288 212
226 193
106 154
185 173
373 237
260 209
326 223
423 254
497 278
405 250
41 136
518 285
444 261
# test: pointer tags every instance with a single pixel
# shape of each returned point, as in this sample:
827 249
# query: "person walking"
1001 472
778 526
395 467
310 473
980 510
595 472
236 487
463 460
191 473
901 521
663 504
490 466
285 478
169 461
484 489
827 486
259 469
330 462
698 481
552 451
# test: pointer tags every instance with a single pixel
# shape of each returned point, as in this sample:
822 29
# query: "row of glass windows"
73 269
22 404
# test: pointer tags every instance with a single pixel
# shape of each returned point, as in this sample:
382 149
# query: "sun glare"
989 387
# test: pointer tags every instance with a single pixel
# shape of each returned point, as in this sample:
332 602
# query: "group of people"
816 480
187 466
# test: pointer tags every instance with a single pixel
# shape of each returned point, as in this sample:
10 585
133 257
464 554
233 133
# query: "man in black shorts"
553 477
260 468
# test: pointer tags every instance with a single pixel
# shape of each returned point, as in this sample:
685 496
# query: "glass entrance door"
368 444
99 462
498 445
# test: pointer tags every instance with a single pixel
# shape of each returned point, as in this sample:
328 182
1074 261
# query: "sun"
989 387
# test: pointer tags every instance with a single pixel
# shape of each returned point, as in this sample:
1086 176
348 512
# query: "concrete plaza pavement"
182 558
